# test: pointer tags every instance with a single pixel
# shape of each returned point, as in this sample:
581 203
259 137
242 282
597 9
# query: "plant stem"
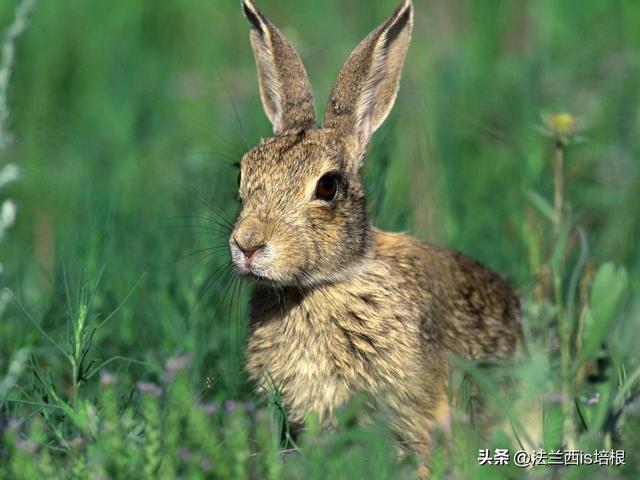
77 354
564 327
564 322
558 183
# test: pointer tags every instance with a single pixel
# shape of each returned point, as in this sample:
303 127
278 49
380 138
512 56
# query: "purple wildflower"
554 397
26 446
176 364
150 388
210 408
594 400
107 378
184 454
207 464
230 406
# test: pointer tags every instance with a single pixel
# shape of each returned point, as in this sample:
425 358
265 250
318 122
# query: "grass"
122 330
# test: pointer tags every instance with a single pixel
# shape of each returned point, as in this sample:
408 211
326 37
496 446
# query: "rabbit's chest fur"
386 331
318 347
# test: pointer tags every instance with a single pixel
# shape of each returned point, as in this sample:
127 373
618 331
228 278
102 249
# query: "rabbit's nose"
248 237
249 251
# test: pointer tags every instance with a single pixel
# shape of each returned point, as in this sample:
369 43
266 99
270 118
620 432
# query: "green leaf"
16 367
552 431
625 388
541 204
602 408
607 290
559 251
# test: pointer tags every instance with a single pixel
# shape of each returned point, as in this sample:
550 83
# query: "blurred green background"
129 115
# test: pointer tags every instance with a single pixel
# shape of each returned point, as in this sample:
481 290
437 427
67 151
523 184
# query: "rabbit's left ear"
368 83
284 85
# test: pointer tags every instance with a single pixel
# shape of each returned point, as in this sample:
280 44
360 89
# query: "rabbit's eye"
327 187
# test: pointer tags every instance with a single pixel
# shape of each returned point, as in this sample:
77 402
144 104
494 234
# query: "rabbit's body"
372 333
339 307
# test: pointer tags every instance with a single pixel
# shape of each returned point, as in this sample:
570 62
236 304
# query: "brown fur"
340 307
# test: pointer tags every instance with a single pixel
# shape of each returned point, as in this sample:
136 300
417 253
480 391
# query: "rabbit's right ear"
368 83
284 85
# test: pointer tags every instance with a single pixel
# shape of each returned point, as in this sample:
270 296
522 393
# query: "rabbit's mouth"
260 279
252 263
259 269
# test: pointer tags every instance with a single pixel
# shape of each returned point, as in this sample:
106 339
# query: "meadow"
515 139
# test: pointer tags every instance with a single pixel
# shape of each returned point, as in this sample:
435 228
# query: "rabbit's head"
303 213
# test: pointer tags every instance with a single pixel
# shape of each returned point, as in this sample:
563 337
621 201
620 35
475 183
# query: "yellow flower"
563 127
561 124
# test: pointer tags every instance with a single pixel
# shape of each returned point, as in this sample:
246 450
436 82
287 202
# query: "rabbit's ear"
284 84
368 83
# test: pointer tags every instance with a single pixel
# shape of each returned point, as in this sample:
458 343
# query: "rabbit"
340 307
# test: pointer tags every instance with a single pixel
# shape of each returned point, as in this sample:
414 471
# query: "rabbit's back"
472 311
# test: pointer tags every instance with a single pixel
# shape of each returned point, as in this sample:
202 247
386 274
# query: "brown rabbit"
340 307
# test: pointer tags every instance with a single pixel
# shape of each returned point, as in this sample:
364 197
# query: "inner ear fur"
368 83
285 89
